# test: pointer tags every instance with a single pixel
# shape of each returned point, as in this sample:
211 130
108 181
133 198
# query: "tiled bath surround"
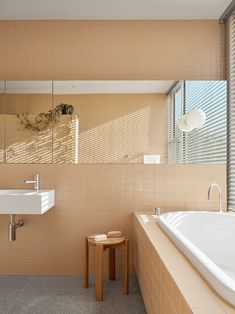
160 295
168 282
96 198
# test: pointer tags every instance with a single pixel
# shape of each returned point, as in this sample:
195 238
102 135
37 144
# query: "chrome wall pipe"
13 224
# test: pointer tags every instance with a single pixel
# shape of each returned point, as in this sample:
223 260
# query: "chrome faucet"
220 198
157 211
35 182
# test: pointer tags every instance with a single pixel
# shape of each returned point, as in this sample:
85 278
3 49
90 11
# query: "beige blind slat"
209 143
231 114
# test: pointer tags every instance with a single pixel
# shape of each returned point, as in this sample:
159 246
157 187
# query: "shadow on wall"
124 139
59 145
106 129
118 128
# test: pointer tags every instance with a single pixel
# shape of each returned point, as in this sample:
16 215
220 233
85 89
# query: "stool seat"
100 246
109 242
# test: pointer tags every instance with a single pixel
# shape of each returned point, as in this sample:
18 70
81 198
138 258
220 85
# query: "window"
175 136
231 115
204 145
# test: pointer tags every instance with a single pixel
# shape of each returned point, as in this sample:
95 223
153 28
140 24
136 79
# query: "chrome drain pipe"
13 224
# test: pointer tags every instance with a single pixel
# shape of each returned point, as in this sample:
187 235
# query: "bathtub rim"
218 280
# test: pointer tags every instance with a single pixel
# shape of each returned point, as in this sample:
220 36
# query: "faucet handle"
157 211
37 182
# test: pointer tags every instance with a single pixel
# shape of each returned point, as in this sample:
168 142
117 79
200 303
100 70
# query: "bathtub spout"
220 198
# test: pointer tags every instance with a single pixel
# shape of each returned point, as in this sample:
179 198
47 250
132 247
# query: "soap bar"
114 234
100 237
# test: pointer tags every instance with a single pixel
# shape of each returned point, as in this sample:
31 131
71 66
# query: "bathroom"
91 97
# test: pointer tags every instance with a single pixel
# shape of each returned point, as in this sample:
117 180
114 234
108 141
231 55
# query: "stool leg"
86 275
112 272
99 273
126 258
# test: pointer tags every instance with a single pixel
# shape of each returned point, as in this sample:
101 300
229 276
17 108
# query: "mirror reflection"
28 128
197 129
119 121
113 122
2 121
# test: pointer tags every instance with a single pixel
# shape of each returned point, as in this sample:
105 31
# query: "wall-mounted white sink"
26 202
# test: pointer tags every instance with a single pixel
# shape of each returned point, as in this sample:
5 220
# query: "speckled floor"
66 295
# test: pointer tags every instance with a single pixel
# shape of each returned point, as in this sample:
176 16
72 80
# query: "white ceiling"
87 87
112 9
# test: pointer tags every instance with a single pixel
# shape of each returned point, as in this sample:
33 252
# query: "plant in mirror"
33 124
111 121
44 120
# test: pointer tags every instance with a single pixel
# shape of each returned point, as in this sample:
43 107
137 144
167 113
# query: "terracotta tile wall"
96 198
160 292
110 50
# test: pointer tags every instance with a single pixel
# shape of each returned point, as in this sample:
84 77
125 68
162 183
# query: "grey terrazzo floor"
66 295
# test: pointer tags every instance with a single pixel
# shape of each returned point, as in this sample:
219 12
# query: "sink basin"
26 202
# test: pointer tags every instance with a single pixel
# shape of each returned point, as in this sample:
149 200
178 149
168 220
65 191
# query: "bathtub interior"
213 233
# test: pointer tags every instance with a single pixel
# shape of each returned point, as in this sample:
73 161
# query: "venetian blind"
175 111
207 144
231 115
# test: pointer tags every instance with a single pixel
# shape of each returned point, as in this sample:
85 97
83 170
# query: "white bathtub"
208 241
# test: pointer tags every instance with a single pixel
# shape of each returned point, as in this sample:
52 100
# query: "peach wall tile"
96 199
167 277
139 46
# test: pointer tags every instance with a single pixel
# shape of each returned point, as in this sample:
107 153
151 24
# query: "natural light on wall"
125 138
58 145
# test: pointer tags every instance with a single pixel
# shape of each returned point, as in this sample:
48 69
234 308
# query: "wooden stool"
100 247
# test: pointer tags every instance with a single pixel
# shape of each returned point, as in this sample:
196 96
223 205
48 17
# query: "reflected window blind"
231 115
175 137
207 144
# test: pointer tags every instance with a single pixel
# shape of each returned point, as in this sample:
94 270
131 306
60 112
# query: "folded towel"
100 237
114 234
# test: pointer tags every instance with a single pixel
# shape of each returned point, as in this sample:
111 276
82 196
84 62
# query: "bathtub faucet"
219 189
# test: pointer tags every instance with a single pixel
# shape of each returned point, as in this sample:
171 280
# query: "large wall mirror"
112 121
